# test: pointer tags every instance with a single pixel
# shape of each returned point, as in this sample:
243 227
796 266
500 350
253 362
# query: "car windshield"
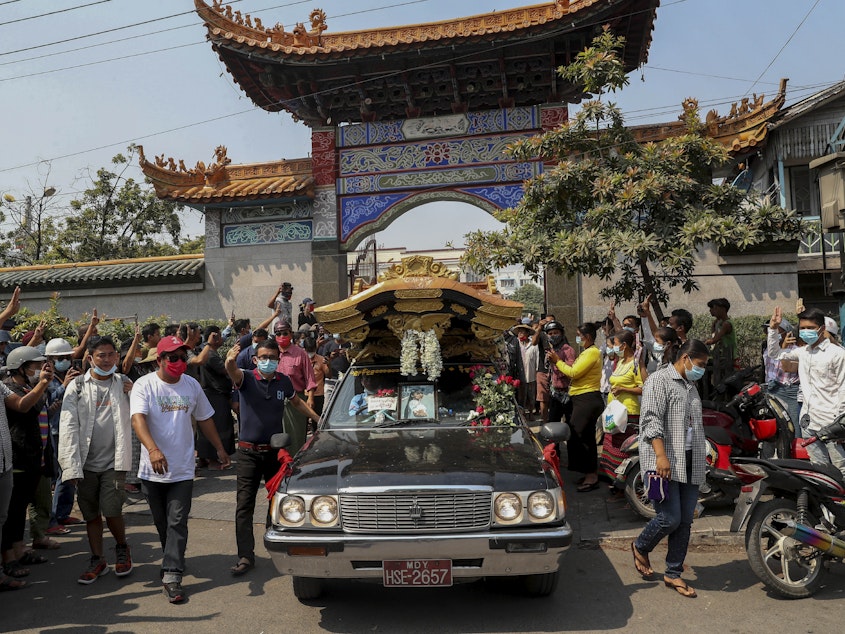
380 396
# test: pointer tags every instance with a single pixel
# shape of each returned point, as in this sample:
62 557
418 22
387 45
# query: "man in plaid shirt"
782 376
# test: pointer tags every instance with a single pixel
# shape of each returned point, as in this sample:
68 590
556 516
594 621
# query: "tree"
632 214
32 224
118 217
531 296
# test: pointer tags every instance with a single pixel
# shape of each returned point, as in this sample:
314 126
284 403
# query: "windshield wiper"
404 421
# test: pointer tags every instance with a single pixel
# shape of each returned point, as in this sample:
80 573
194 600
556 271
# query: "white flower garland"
422 346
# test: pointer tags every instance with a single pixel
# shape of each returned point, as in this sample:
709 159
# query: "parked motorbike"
800 526
753 423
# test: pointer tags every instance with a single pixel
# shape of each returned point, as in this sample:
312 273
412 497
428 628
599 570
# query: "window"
801 191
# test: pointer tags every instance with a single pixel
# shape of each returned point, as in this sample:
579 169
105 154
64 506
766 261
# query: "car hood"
498 458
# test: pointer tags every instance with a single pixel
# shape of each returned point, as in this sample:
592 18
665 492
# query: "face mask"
284 342
33 379
694 373
100 372
658 348
578 339
336 337
255 345
267 366
522 337
555 340
809 335
62 365
629 329
137 360
617 350
175 369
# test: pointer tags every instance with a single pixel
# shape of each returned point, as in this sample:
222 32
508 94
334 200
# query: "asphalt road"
599 591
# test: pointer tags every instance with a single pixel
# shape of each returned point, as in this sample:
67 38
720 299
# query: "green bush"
750 335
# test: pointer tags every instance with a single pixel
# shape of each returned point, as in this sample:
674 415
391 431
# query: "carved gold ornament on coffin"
418 266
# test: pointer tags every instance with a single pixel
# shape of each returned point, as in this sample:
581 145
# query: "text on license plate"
417 572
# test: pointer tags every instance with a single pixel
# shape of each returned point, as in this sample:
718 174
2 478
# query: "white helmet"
22 355
58 347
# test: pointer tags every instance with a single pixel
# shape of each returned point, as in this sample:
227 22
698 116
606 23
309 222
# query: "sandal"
681 588
45 543
584 488
30 558
9 583
242 567
15 570
641 562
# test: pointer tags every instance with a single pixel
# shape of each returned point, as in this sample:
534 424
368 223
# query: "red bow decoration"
286 462
551 457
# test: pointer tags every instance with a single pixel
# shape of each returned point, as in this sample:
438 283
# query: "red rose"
479 409
516 383
476 388
486 422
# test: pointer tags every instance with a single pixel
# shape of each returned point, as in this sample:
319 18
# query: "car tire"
541 585
307 588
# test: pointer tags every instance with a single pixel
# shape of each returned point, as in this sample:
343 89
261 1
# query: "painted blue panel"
502 196
360 210
266 233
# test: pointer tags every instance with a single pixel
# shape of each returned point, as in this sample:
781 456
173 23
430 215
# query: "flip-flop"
681 588
9 583
30 557
584 488
45 543
15 570
641 562
242 567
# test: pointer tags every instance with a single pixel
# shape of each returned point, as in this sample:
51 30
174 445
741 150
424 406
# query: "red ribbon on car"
551 457
286 462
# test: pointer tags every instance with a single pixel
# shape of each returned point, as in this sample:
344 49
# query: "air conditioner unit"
831 190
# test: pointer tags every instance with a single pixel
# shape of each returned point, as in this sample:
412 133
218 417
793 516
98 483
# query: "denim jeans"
674 518
63 493
252 466
170 505
827 453
5 495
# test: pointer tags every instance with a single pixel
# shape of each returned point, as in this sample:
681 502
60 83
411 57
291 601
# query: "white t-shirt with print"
168 408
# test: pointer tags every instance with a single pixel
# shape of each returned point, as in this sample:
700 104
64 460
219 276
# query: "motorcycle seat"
718 435
826 469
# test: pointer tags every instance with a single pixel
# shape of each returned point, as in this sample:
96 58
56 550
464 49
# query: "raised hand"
15 301
94 318
232 355
774 322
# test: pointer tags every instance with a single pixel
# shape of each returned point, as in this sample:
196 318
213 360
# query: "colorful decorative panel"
424 179
358 211
325 213
323 157
426 154
472 123
291 211
266 233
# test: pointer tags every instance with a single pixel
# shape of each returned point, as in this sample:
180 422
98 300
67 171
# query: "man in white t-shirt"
162 404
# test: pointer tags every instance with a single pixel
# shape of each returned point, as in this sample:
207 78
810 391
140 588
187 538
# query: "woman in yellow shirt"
587 406
626 386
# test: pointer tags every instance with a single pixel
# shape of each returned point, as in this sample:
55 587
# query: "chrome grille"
409 512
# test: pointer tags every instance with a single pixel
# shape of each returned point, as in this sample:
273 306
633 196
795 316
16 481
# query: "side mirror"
556 431
278 441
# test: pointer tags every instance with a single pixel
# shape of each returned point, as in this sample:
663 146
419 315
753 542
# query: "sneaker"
70 521
96 568
131 488
123 564
174 592
58 529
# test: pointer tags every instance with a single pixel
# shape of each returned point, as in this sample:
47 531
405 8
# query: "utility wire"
800 24
44 15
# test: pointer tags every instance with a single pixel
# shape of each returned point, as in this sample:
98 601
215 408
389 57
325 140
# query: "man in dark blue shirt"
263 393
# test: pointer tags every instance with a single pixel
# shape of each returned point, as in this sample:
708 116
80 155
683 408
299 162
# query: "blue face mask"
578 339
255 345
62 365
336 336
629 329
267 366
658 348
617 350
809 335
100 372
694 373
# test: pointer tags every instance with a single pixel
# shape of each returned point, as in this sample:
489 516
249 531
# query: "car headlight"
293 509
324 510
508 507
540 505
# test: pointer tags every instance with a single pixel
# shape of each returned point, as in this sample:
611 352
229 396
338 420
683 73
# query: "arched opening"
436 226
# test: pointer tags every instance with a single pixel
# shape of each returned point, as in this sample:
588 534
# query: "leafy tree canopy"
531 296
631 214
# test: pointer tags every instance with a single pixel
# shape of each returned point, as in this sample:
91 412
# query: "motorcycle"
800 526
753 423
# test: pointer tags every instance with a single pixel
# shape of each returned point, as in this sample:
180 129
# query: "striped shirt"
670 407
5 435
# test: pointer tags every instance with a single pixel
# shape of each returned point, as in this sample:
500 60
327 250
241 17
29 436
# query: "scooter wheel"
636 495
787 567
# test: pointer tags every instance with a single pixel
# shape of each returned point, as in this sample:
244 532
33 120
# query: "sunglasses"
175 358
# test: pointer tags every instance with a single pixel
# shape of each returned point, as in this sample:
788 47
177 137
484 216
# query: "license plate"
408 573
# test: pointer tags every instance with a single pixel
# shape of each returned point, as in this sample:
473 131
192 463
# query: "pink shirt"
295 363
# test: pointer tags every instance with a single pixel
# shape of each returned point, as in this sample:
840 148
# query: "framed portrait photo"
417 401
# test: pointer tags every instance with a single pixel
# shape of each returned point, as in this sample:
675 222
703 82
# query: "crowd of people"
652 369
100 420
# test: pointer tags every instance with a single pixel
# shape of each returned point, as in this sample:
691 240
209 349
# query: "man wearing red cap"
162 404
296 364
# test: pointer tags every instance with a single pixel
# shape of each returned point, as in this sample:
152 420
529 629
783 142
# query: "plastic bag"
614 418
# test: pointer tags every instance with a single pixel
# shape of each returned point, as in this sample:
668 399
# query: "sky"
70 106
